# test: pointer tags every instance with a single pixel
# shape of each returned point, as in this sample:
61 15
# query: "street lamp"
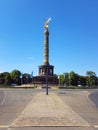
21 76
59 80
69 78
31 76
47 82
65 80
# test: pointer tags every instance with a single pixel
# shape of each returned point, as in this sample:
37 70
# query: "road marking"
95 126
4 126
90 100
3 98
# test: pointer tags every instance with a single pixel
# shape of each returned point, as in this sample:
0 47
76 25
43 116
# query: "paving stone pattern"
48 110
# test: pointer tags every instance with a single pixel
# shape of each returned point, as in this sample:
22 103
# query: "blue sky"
73 40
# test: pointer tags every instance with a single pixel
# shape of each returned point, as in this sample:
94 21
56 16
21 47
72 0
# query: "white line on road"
95 126
90 100
4 126
3 98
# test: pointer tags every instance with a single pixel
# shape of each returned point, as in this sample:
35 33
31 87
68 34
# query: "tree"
90 73
15 76
66 79
26 78
82 80
1 78
73 80
5 78
91 78
61 79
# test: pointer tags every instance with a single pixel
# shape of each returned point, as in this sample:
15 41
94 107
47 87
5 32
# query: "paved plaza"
32 109
48 110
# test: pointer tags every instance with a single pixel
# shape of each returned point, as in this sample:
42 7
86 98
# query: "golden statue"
46 23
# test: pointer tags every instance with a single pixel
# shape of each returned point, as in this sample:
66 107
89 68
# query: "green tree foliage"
91 78
26 78
73 78
5 78
90 73
1 78
66 78
15 76
61 79
82 80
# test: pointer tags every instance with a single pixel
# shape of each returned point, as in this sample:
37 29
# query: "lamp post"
68 79
47 82
21 76
65 81
59 80
31 76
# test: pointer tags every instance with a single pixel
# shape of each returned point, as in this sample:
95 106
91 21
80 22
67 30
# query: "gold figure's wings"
46 23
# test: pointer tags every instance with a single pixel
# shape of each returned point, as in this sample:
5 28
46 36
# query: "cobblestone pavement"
48 110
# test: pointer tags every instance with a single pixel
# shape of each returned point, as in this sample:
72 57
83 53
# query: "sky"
73 39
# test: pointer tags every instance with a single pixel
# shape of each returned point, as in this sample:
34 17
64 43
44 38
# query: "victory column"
46 69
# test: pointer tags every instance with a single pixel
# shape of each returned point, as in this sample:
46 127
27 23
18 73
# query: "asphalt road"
13 102
2 94
79 101
94 98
